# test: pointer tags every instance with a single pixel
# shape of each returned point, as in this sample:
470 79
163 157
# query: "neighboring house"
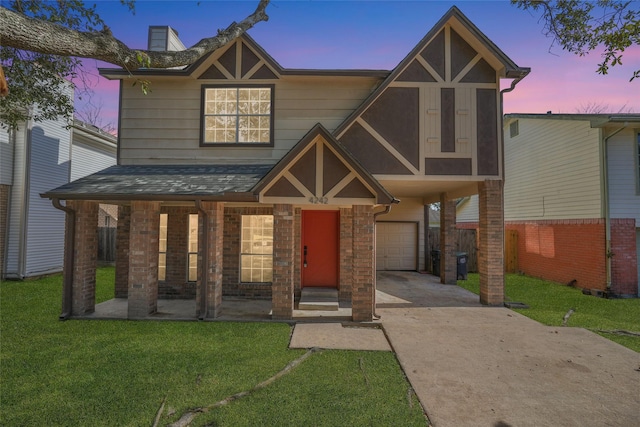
572 193
237 176
32 159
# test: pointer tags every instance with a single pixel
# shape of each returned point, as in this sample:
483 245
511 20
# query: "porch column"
143 259
491 249
363 263
85 256
448 259
346 253
177 253
122 251
210 240
282 288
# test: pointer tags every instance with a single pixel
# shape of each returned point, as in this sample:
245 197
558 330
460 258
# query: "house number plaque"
319 200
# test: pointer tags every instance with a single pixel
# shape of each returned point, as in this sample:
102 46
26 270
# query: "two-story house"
572 195
237 176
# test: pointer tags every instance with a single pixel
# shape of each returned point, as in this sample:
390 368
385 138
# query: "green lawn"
117 373
549 302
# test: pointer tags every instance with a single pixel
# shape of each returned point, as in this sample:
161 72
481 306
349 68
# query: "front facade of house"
33 158
572 194
237 177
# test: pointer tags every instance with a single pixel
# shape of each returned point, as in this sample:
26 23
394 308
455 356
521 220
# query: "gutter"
69 238
204 282
386 210
604 152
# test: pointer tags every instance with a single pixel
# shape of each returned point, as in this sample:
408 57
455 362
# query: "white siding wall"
468 211
87 159
163 127
17 207
50 151
552 170
410 210
6 158
624 200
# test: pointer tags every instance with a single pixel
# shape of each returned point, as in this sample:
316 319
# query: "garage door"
638 255
396 245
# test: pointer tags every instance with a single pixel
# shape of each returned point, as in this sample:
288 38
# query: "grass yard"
117 373
549 302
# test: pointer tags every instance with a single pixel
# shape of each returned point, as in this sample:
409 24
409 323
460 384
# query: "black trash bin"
435 262
462 265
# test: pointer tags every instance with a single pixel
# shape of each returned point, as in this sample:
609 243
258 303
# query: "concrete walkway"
478 366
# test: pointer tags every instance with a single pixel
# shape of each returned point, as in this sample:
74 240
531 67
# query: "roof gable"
318 170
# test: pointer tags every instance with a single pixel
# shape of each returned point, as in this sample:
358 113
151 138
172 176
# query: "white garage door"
396 245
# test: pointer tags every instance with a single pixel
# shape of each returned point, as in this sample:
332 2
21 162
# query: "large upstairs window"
238 115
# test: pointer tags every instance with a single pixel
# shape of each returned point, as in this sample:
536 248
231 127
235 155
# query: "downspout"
26 194
524 73
69 239
386 210
605 208
205 263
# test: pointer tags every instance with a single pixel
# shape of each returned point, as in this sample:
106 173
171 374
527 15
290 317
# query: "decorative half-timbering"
318 171
242 60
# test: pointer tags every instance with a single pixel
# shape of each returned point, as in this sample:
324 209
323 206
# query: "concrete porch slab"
337 336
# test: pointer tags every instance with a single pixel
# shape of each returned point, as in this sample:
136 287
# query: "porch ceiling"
166 182
428 190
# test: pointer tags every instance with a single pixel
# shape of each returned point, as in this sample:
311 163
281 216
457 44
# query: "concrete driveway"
479 366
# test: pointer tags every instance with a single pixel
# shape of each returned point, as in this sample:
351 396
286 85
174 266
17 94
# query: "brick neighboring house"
572 193
32 159
237 176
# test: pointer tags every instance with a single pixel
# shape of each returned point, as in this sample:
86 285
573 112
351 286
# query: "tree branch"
22 32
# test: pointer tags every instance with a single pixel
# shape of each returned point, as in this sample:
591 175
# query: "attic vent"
514 128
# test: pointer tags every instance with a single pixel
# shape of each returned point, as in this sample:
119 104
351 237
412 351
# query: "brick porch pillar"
85 256
210 241
282 288
122 251
491 249
363 263
448 236
177 251
143 259
346 253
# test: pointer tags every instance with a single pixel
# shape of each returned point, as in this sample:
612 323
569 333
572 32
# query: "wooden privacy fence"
467 242
106 244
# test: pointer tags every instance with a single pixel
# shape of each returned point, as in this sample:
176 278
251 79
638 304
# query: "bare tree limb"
22 32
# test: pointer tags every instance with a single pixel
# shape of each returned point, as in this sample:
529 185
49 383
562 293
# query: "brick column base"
85 255
282 292
210 239
143 259
122 252
448 236
362 291
346 253
491 250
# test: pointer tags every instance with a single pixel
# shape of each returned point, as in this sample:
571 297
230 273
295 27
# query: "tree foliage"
582 26
42 42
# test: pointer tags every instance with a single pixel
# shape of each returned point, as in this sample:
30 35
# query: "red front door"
320 248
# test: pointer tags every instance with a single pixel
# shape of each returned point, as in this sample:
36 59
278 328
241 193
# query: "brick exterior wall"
176 284
624 262
297 253
143 259
85 256
4 207
211 248
363 263
122 252
282 300
563 251
491 242
231 285
448 240
346 253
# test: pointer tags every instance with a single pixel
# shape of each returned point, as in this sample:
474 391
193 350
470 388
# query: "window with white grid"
256 249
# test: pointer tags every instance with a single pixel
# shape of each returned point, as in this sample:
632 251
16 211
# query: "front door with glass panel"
320 248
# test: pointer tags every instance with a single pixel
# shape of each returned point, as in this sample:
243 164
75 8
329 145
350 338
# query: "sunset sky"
377 35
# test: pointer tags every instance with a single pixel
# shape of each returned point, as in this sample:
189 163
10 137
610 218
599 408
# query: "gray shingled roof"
165 182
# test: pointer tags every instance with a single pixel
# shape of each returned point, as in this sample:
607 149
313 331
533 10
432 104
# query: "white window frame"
251 249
